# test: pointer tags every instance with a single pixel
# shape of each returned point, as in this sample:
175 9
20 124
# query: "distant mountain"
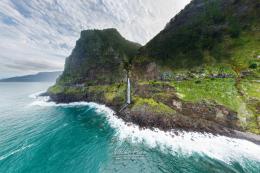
39 77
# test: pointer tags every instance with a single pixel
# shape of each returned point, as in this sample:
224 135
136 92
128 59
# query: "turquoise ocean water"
41 137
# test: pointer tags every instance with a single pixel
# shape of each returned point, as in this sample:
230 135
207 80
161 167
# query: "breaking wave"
218 147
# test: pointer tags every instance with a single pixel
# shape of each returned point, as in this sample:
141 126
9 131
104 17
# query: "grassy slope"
109 93
209 34
224 92
251 95
232 51
242 97
152 105
208 50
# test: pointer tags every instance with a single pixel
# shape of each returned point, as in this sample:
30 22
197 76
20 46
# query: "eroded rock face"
202 116
177 105
178 121
160 107
145 71
99 58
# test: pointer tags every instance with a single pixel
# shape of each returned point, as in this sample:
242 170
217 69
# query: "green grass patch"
219 69
250 88
153 106
222 91
245 50
251 94
110 92
56 89
151 82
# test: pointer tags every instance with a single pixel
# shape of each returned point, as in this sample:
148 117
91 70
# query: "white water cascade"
128 91
128 95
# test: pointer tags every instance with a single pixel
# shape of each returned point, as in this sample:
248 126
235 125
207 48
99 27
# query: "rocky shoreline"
166 124
146 119
197 84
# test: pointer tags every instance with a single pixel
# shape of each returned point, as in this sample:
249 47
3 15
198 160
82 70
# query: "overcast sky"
37 35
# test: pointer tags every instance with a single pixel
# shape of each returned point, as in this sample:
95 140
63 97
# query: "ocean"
37 136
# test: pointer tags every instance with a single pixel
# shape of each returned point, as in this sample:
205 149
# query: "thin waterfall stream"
128 95
128 91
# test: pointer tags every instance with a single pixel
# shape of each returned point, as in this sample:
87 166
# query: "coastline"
164 123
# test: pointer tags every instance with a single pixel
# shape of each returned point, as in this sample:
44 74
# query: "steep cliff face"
200 73
100 57
96 69
209 53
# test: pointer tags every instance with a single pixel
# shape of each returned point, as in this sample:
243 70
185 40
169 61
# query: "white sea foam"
42 101
36 95
217 147
14 152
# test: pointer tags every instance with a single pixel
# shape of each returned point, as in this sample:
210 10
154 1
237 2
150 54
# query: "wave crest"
218 147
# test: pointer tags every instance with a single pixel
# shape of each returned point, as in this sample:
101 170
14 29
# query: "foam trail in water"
217 147
36 95
14 152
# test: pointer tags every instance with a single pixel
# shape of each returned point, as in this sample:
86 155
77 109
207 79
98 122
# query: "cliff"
97 68
209 55
200 73
100 57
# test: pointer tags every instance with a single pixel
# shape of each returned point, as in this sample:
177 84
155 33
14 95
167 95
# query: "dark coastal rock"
99 58
151 120
203 117
102 60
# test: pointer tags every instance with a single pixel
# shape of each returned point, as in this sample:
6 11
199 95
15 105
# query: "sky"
37 35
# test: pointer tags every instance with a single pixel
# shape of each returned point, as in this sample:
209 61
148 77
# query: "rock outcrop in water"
190 76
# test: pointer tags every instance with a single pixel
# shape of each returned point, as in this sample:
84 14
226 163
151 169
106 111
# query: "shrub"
253 66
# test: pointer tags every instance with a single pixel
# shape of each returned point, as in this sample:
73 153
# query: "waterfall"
128 91
128 95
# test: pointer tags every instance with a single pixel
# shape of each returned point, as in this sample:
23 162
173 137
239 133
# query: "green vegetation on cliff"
209 52
222 91
241 97
153 106
100 57
208 31
99 93
250 91
202 71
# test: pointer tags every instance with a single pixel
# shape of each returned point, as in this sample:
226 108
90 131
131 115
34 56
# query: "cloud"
45 31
